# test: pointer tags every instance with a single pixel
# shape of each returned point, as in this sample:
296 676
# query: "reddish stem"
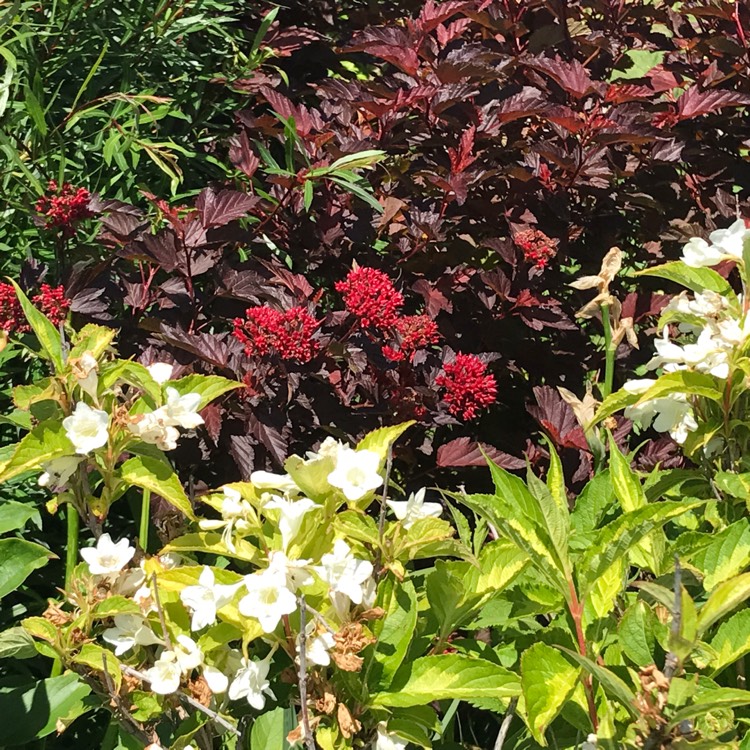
576 612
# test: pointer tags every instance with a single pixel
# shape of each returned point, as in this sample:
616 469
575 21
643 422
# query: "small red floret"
468 387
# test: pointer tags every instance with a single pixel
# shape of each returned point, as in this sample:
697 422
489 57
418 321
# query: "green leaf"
96 657
684 381
649 553
208 387
636 633
16 643
160 478
380 441
616 539
37 707
610 682
434 678
593 502
710 700
211 542
641 62
15 515
115 605
395 631
736 485
725 556
133 373
45 442
535 544
47 335
269 731
724 598
696 279
547 681
732 641
445 593
92 338
18 560
612 404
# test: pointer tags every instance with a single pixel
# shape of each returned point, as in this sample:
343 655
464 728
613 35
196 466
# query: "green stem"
71 555
609 352
145 520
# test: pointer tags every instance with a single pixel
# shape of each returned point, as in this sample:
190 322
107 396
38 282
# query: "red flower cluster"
288 334
50 300
468 387
53 303
63 208
11 314
537 247
370 295
413 332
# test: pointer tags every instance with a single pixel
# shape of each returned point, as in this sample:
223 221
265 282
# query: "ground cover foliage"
276 270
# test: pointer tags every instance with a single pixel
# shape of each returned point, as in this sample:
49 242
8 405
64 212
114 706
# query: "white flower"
296 572
234 514
165 675
723 243
317 646
344 573
216 680
291 513
84 370
161 372
415 508
107 557
57 473
672 414
266 480
154 428
329 448
386 740
268 598
87 428
129 631
698 253
356 473
591 743
730 241
251 683
182 411
188 654
205 598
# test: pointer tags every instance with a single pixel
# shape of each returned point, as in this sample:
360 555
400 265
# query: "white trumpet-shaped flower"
268 598
84 370
206 597
182 411
356 473
251 682
234 514
166 674
414 509
266 480
344 573
108 558
130 630
291 513
385 740
317 645
188 654
296 572
57 473
161 372
87 428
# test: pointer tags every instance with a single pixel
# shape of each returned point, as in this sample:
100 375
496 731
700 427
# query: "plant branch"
119 706
609 351
383 498
671 661
302 675
222 722
157 602
505 726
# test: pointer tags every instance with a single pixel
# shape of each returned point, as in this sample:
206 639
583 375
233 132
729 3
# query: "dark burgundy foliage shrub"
523 140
